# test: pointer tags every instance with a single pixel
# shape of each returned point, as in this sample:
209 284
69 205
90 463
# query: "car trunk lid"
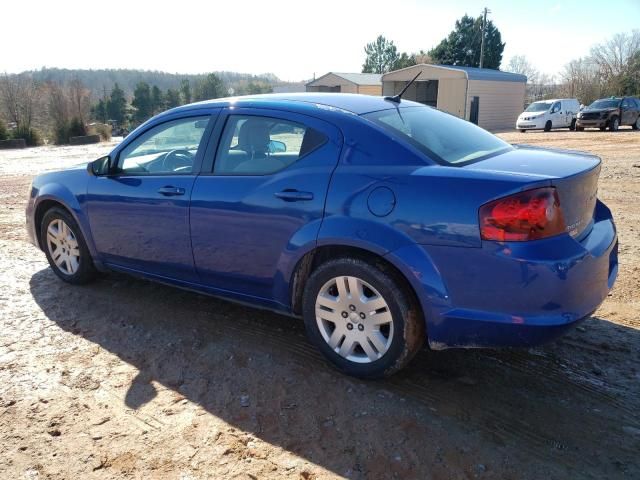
574 174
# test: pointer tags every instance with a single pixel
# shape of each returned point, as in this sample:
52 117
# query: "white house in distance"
489 98
364 83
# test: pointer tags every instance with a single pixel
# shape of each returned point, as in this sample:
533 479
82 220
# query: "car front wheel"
362 317
65 247
614 124
636 126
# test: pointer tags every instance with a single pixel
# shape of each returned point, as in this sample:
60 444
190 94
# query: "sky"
292 39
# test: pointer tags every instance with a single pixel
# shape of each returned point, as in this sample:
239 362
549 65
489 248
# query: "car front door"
558 117
139 211
263 199
628 113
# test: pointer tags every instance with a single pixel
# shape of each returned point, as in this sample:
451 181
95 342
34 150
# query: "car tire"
365 341
636 126
522 130
572 127
614 123
547 126
65 247
602 129
579 129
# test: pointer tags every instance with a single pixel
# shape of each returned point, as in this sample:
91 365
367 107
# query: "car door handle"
170 191
291 195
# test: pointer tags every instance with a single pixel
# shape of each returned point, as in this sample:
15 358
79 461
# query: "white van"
548 114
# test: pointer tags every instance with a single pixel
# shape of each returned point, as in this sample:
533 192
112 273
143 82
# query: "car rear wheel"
579 129
572 127
614 123
602 129
636 126
65 247
362 318
547 126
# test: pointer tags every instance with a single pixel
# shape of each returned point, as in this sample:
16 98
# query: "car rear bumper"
519 294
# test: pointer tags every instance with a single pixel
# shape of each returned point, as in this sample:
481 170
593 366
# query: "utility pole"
484 28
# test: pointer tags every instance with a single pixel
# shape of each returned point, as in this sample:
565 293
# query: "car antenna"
397 98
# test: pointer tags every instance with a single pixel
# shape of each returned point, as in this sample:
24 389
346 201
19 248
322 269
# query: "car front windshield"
538 107
441 136
598 104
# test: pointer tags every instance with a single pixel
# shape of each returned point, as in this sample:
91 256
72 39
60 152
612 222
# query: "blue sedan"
381 222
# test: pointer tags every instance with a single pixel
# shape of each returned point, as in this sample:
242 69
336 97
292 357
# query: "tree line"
460 48
611 69
59 110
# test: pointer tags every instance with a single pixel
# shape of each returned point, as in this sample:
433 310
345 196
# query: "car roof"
347 102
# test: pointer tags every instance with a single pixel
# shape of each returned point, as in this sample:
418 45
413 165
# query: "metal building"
489 98
364 83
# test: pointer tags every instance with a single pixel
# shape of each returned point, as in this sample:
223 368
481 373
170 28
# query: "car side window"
168 148
556 107
626 103
253 145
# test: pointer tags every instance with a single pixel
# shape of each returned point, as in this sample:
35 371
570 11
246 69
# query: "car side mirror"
276 146
99 167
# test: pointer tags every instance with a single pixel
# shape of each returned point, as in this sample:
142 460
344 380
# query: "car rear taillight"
528 215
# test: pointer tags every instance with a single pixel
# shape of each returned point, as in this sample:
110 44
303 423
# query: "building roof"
474 73
355 78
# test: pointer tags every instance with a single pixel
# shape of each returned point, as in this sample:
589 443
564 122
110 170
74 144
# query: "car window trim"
215 141
197 162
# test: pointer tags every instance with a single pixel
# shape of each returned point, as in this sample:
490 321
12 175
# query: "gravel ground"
129 379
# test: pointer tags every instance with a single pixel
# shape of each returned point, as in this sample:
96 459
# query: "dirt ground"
129 379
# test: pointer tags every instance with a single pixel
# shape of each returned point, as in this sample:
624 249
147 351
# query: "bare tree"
520 64
80 99
582 79
18 97
614 55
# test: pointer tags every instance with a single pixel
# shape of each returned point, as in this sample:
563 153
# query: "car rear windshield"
441 136
613 103
538 107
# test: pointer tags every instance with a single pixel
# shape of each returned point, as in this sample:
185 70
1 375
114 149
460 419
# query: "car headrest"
254 136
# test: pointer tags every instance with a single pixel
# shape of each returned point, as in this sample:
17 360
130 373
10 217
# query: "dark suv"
610 112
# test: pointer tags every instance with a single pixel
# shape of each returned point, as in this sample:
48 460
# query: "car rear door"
262 198
139 212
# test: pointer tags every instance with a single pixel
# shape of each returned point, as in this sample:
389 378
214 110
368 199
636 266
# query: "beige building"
489 98
364 83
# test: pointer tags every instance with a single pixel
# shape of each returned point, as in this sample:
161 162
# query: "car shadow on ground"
558 407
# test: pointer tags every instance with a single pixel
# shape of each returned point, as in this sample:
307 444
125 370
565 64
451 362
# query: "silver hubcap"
63 247
354 319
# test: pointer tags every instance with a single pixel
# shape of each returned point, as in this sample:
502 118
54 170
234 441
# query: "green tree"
3 131
462 46
99 111
117 105
404 61
630 79
157 101
210 87
172 98
382 56
185 90
254 88
142 102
